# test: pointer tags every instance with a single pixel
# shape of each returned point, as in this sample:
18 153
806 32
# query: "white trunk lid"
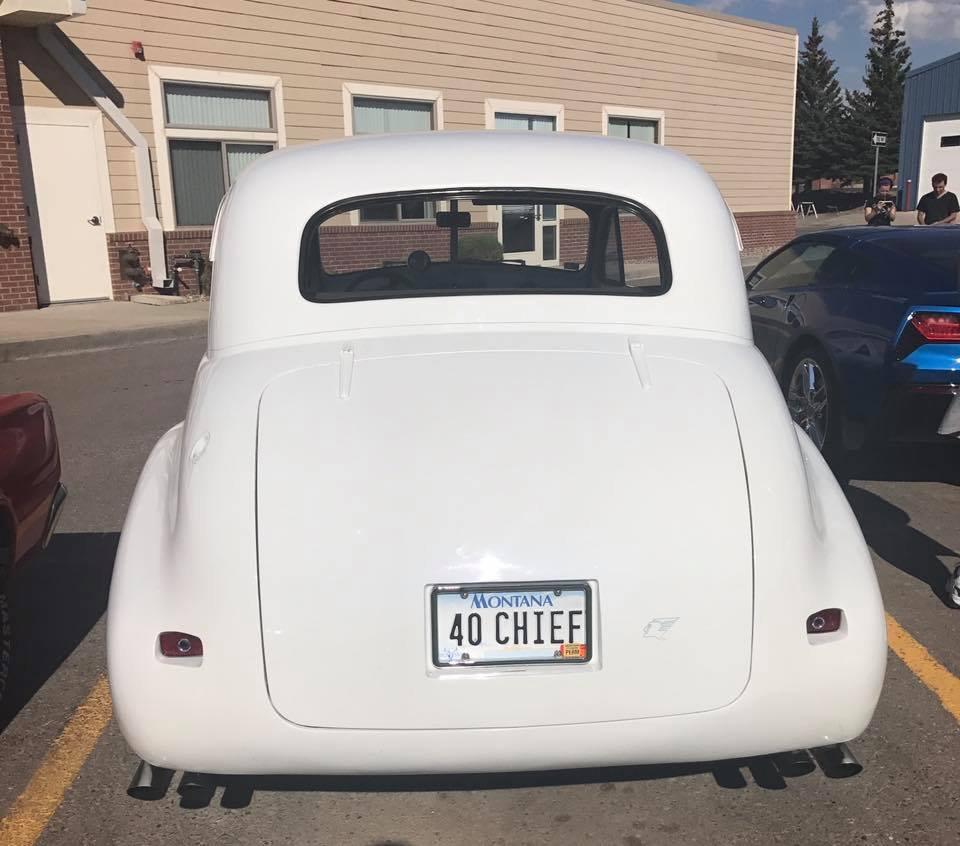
496 466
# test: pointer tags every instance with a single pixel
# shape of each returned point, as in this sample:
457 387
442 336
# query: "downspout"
47 36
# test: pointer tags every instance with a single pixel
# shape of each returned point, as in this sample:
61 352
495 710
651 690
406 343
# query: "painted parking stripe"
925 667
43 795
40 799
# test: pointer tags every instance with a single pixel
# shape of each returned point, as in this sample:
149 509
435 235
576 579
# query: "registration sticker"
574 650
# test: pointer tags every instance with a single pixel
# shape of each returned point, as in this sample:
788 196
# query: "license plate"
531 623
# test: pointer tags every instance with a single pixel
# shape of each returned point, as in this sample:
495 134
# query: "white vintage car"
482 472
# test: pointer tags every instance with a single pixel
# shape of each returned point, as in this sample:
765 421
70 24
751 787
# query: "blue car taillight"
928 327
937 326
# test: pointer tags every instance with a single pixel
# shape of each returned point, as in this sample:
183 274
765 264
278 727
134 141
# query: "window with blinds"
202 169
378 116
525 123
639 129
373 116
209 107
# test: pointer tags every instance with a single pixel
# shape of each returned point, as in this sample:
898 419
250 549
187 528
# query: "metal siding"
929 92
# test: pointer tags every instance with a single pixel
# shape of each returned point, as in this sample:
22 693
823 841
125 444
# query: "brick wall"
18 289
346 248
574 234
178 243
763 232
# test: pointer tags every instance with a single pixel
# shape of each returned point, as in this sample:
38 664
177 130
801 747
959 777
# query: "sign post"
878 139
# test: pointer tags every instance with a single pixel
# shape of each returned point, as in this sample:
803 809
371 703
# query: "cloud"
831 30
728 5
718 5
922 20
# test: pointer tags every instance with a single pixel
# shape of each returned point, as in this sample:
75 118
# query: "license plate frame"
506 588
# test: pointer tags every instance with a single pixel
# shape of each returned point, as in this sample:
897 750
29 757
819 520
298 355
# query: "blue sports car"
862 328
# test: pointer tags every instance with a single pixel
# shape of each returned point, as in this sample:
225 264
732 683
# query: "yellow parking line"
43 795
925 667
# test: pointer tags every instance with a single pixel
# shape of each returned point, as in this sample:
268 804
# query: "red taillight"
824 621
937 326
180 645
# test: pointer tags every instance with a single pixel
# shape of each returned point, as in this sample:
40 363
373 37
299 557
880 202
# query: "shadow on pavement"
939 462
768 773
889 534
54 599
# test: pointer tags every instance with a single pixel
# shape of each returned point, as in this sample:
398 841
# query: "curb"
110 340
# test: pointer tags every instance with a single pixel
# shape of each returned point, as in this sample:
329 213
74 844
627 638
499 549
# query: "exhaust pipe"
143 777
196 790
149 782
837 761
847 758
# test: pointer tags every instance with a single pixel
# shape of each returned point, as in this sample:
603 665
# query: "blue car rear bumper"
925 382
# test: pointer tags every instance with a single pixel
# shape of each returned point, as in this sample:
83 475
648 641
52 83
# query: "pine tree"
817 144
878 108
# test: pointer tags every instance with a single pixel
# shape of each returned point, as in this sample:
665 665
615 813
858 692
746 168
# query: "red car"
31 494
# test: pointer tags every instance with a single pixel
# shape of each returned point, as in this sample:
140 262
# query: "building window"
641 129
202 170
525 123
380 115
372 116
210 125
634 123
217 107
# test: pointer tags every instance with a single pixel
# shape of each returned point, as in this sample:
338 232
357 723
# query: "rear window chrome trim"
545 195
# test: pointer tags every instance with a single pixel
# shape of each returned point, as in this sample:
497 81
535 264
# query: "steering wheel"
396 276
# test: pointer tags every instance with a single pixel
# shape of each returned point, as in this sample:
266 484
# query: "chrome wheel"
808 401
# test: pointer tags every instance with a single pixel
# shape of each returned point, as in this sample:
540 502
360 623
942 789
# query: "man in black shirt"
940 206
882 209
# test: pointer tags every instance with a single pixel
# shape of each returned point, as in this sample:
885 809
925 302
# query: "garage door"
940 154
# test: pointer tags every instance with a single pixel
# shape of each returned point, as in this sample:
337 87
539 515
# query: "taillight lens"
827 620
937 326
180 645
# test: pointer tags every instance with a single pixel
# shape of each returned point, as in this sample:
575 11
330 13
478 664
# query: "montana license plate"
531 623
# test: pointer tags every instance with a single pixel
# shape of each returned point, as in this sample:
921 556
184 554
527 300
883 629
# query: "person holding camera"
882 209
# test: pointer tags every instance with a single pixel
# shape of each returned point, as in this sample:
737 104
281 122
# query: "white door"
940 154
528 232
69 202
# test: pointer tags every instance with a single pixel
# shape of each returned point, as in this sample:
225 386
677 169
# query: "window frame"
800 245
492 107
403 94
158 75
546 195
634 113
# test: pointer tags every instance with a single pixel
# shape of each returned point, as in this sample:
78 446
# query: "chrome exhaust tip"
837 761
149 782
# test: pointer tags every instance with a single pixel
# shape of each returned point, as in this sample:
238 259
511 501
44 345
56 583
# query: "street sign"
879 139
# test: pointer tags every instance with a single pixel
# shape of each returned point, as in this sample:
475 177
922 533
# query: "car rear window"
937 261
503 241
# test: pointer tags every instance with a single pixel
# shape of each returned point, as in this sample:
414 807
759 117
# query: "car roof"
256 296
887 235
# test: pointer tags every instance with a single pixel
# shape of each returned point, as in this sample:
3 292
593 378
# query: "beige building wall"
725 86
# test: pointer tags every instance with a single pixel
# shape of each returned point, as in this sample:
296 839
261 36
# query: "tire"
6 642
813 398
6 627
953 589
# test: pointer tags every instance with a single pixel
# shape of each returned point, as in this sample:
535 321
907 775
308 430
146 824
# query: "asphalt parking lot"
64 768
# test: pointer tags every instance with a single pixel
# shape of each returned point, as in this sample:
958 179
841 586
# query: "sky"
932 26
